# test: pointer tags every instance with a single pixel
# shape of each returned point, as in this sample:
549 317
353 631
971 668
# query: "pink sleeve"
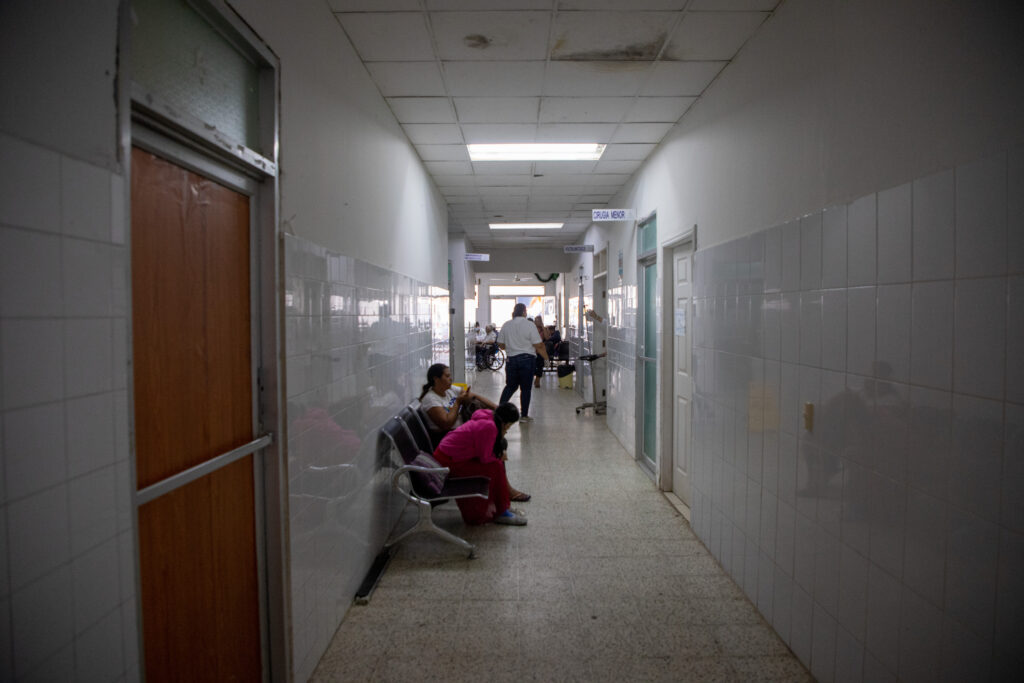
486 434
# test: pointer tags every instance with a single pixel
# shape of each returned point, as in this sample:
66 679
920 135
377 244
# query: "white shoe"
526 418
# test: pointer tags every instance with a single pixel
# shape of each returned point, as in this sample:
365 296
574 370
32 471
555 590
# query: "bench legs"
426 523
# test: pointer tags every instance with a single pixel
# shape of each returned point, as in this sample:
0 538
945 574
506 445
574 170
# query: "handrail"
180 479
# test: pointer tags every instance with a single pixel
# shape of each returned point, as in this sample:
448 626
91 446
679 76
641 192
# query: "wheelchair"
491 358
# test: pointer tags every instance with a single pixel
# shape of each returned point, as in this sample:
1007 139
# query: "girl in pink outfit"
476 449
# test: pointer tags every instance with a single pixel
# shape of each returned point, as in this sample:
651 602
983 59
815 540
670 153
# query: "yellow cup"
460 385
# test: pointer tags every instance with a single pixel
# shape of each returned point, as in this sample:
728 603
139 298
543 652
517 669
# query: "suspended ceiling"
620 72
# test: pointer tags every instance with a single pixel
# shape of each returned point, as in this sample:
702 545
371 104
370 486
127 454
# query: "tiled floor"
606 583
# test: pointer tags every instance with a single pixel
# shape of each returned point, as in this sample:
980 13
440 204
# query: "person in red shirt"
476 448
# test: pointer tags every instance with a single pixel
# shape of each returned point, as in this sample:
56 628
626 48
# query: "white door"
682 383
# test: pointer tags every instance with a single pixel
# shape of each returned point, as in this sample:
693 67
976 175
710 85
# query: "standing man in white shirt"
522 344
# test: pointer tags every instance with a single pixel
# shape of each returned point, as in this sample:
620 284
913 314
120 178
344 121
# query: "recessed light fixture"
525 226
536 151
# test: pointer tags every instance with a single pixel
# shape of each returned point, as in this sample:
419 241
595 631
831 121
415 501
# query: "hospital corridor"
542 340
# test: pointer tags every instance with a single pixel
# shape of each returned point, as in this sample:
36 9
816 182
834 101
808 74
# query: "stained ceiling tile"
386 36
653 109
433 133
407 79
584 109
456 152
713 35
575 132
498 79
497 109
487 36
499 132
681 78
627 152
610 36
641 132
422 109
621 79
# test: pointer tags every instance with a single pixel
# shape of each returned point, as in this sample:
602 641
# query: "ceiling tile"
564 180
575 132
503 167
374 5
610 36
499 132
641 132
607 179
449 167
492 5
460 181
651 109
388 35
505 203
630 166
627 152
620 79
621 4
502 191
551 203
547 167
404 79
422 109
681 78
443 152
557 190
463 200
596 198
583 109
483 79
522 180
433 133
734 5
713 35
487 36
497 109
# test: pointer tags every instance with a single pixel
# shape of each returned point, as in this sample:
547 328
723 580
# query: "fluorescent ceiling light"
525 226
537 151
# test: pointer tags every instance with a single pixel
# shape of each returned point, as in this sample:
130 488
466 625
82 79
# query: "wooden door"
193 399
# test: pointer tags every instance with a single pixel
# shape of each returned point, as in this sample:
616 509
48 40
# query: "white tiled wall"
358 344
622 317
887 543
67 579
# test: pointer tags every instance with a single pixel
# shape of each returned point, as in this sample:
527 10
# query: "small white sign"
477 257
680 322
611 215
577 248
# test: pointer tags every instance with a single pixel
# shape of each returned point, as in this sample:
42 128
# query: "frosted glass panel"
180 58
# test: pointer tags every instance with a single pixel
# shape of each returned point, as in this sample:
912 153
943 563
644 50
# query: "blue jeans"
519 375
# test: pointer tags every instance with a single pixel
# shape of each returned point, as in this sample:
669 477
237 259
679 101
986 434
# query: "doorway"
196 424
682 372
647 344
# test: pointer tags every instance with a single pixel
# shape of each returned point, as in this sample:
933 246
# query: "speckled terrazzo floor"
606 583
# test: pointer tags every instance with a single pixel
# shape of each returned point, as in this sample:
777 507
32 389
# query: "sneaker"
526 418
510 518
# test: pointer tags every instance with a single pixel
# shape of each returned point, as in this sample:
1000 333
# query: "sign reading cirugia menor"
612 215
